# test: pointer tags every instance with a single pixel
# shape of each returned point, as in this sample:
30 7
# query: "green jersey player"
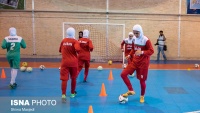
13 43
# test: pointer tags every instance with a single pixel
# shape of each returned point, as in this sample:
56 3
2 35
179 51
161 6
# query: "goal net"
106 39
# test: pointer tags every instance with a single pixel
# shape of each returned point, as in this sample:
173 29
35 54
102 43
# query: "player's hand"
122 50
138 52
127 57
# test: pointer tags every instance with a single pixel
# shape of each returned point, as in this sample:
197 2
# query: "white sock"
11 82
13 75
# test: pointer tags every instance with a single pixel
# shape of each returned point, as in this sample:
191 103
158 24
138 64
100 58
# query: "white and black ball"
196 65
124 66
42 67
122 99
100 68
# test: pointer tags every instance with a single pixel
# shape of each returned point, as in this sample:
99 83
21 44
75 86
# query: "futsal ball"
110 62
122 99
22 69
124 66
24 64
196 65
29 69
99 68
42 67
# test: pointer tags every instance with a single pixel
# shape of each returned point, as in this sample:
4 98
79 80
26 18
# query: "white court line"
193 112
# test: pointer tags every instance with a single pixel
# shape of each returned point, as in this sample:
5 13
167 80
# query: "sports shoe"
73 95
141 99
132 75
75 92
13 86
64 98
84 81
128 93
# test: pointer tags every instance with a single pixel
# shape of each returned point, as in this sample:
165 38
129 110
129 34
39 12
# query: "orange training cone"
90 109
3 75
103 91
110 76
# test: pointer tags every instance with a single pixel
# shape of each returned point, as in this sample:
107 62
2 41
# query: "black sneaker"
84 81
13 86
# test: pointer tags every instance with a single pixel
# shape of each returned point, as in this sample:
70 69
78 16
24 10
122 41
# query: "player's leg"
12 80
64 88
143 89
10 61
126 61
124 75
13 77
80 66
129 62
64 77
16 66
142 76
14 63
87 65
73 75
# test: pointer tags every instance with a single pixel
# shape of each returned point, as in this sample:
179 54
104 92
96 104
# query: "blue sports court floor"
168 91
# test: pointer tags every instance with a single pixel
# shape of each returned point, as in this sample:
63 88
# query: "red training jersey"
69 48
143 44
86 47
128 45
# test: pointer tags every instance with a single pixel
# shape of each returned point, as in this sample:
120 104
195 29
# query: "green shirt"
13 44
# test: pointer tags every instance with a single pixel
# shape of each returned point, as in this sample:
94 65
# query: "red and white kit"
84 54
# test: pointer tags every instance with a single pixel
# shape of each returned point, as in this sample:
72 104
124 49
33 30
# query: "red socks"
143 87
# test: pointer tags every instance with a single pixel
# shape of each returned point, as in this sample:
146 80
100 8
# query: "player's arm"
91 47
132 51
60 46
23 44
4 44
122 45
149 50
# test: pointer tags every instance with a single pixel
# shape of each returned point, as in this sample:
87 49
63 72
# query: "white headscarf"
13 31
130 33
141 40
86 33
70 32
137 27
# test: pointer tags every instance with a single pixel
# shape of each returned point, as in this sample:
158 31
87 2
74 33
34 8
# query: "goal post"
106 38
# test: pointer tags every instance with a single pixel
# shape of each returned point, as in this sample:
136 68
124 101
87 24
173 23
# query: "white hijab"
86 33
13 31
139 40
70 32
130 33
137 27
